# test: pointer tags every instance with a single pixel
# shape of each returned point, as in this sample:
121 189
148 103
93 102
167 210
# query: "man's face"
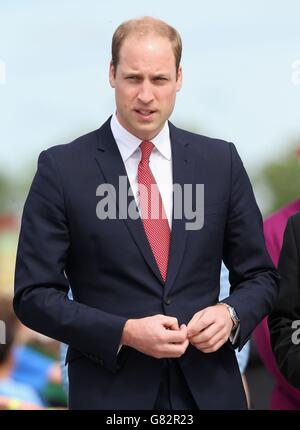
145 83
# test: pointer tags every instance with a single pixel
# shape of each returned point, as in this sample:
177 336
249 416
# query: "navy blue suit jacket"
113 275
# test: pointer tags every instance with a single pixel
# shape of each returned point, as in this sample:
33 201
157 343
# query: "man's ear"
179 79
112 75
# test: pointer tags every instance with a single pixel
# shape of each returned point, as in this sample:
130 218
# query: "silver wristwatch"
233 314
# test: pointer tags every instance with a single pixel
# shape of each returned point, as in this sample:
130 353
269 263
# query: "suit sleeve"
41 286
253 278
284 321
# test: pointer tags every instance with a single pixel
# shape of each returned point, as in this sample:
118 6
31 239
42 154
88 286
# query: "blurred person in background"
36 362
13 394
284 395
284 320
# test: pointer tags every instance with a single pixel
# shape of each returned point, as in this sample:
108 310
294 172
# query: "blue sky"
237 64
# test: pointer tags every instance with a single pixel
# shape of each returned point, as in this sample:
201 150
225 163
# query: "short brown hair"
143 26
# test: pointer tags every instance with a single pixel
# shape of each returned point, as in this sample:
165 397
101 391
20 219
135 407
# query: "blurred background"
241 69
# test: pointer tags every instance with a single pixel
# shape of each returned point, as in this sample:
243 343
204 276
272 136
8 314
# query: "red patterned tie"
152 211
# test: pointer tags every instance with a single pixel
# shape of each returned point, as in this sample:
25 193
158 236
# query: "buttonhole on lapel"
101 149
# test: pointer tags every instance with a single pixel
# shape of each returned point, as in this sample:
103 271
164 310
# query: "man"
284 321
145 328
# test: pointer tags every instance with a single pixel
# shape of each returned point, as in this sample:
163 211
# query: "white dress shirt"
160 161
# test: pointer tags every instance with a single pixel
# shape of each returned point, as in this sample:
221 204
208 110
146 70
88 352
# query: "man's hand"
210 328
158 336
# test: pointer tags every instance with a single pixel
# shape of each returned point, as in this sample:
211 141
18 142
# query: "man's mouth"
145 113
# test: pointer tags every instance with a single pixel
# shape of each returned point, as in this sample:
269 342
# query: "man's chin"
147 131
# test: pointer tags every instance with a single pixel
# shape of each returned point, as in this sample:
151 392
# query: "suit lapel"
183 173
111 164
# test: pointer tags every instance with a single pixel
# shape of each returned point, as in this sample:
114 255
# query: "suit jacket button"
168 301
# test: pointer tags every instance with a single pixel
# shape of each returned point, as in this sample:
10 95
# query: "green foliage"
281 178
5 191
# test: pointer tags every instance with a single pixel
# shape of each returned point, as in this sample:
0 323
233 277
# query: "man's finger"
170 323
176 350
206 334
193 324
175 336
183 328
198 325
211 343
215 347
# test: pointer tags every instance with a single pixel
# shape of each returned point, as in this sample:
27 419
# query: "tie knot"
146 148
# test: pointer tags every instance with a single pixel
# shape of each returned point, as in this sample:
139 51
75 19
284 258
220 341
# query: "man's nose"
145 93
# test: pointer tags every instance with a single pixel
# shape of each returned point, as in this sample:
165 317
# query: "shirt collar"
128 143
